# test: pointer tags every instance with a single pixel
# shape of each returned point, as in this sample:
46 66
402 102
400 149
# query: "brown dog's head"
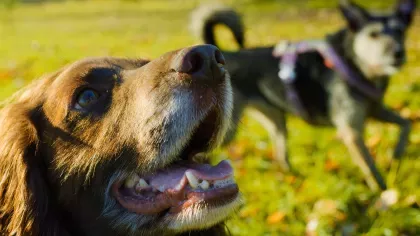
111 146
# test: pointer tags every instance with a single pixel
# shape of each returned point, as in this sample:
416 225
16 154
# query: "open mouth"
183 183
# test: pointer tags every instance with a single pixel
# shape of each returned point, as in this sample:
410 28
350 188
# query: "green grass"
35 39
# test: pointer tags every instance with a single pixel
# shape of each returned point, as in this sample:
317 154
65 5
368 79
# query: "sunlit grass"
35 39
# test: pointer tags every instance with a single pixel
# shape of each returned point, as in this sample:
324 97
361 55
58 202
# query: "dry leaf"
248 212
241 172
340 216
237 150
5 75
374 141
276 217
331 165
290 179
326 207
399 106
406 112
415 116
270 154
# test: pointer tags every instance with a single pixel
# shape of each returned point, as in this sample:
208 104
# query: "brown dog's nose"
202 62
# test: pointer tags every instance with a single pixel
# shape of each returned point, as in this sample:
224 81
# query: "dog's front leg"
384 114
273 119
353 139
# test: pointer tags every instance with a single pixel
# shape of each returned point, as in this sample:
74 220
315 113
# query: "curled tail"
206 17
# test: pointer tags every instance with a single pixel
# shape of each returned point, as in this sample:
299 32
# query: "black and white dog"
371 47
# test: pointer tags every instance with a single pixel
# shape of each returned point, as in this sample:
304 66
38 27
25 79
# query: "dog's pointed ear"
26 206
355 15
405 10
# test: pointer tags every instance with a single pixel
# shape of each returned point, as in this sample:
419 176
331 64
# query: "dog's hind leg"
273 120
359 152
386 115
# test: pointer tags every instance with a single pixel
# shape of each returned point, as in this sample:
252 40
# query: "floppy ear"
405 10
355 15
26 205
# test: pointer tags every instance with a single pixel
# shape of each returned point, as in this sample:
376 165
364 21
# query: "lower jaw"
230 194
161 204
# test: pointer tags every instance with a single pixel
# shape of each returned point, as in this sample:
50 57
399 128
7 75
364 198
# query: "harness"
289 53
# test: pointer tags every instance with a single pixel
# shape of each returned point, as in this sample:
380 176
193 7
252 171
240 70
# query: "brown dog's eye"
374 34
86 98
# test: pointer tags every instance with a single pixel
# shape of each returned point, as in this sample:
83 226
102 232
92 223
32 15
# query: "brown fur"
56 162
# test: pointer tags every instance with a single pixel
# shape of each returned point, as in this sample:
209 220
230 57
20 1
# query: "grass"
329 192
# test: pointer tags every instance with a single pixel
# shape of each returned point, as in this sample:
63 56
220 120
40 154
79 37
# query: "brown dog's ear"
26 206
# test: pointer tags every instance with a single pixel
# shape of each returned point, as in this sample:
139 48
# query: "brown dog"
105 147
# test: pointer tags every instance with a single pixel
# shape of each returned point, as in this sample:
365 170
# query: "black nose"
202 62
399 54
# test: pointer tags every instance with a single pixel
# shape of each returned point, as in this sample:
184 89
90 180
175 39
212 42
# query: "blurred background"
330 196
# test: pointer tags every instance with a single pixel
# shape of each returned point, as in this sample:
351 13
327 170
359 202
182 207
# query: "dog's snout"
202 62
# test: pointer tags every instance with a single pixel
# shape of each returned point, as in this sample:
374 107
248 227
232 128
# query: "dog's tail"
206 17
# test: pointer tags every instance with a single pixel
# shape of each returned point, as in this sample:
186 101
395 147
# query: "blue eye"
86 98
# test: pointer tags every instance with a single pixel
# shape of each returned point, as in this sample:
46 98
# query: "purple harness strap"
289 54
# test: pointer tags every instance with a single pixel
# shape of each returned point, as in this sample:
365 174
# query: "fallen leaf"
237 150
270 154
415 116
374 141
399 105
276 217
406 112
340 216
331 165
326 207
241 172
290 179
248 212
5 74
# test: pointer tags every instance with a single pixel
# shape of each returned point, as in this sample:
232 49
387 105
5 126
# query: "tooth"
205 184
161 189
131 181
142 183
192 179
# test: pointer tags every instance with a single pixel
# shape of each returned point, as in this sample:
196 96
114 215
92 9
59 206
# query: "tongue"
173 192
174 177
